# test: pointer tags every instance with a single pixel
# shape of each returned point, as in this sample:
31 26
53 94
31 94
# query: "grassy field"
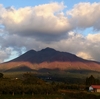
66 95
34 97
63 94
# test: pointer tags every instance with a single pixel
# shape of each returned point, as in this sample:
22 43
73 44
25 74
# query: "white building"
94 88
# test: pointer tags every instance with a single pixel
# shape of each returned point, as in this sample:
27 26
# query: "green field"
33 97
52 85
67 95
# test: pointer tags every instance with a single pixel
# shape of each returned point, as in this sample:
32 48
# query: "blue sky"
23 3
36 24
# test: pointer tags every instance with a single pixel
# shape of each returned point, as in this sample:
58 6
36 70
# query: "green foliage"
34 86
28 85
92 81
29 78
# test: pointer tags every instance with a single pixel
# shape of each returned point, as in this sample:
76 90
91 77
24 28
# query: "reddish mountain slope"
50 58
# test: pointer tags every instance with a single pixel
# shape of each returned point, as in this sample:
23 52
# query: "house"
94 88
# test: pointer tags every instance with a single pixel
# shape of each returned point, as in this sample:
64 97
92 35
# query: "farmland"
29 86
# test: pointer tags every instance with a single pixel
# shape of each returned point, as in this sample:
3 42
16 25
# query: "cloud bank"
49 25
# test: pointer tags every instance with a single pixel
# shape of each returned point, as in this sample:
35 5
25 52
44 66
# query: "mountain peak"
31 51
50 58
47 55
48 49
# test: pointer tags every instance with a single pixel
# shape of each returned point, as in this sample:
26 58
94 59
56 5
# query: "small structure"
94 88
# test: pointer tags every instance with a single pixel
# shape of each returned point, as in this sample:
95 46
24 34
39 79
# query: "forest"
33 87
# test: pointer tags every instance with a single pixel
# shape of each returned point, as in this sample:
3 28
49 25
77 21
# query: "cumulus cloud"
46 25
84 15
42 19
84 55
80 45
94 37
4 54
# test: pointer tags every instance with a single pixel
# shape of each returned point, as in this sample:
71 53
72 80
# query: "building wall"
98 90
90 88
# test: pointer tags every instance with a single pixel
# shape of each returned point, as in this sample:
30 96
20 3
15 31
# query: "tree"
29 78
1 75
91 80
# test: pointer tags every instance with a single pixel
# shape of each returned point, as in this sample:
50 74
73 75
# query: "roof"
95 86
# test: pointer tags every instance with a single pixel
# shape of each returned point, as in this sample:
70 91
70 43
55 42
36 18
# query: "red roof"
95 86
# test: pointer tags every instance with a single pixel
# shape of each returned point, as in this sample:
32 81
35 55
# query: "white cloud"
45 19
47 25
4 54
50 18
94 37
74 43
84 15
84 55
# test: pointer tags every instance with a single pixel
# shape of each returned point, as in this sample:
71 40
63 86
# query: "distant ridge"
20 68
49 58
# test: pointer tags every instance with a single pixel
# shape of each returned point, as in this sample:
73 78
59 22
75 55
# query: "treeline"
28 85
33 85
92 81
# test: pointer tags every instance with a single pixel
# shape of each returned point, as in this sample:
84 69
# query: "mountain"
21 69
49 58
47 55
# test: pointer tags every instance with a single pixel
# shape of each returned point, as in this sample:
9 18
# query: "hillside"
50 59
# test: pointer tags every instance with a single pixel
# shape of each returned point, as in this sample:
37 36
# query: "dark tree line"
28 85
92 81
31 84
1 75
